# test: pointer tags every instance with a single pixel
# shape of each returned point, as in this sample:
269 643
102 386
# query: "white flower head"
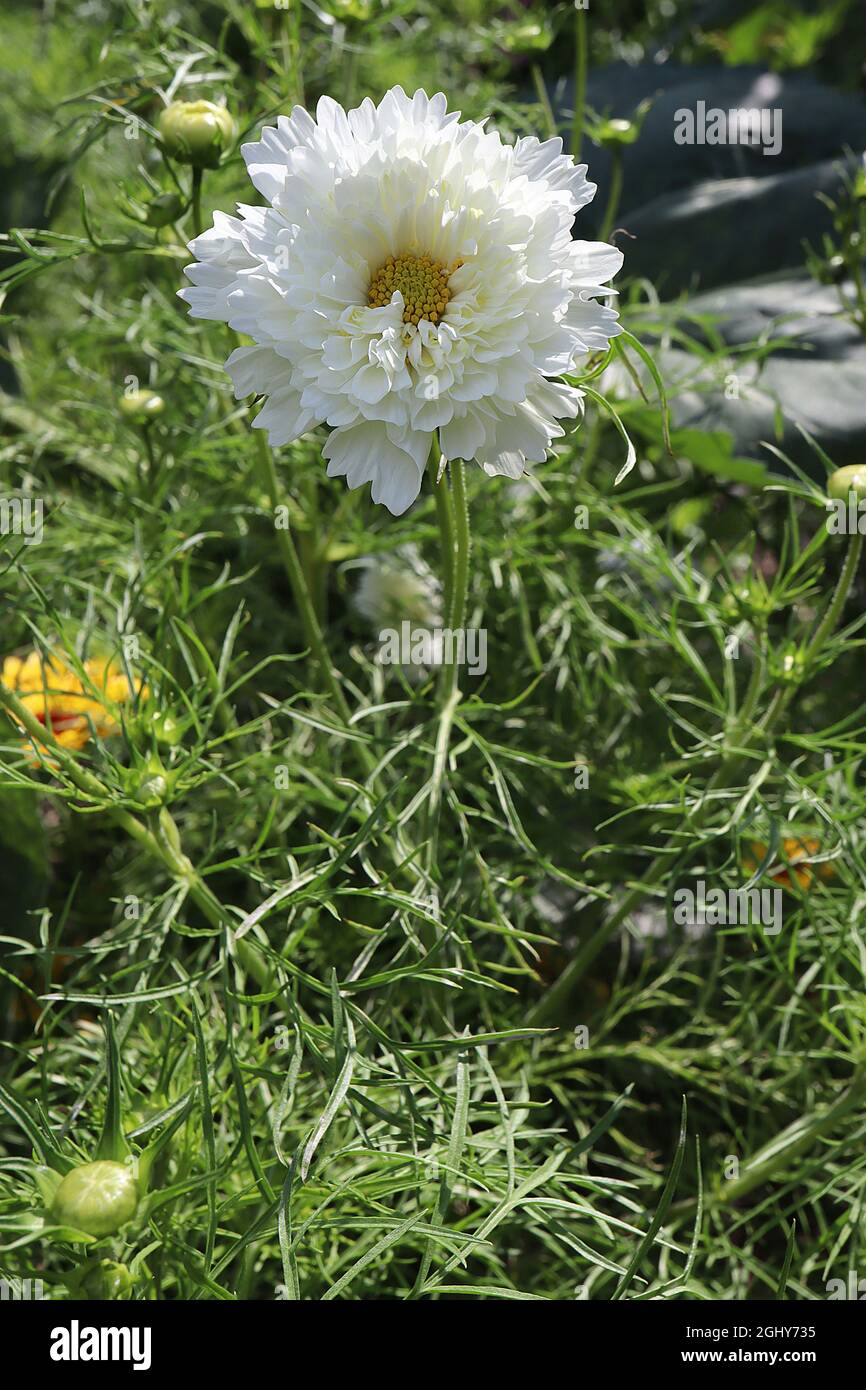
398 588
399 594
411 273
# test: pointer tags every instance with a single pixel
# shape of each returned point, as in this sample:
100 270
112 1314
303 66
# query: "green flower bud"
351 9
150 724
197 132
151 791
751 600
617 132
141 406
528 36
847 480
163 209
148 783
96 1198
166 729
107 1280
788 666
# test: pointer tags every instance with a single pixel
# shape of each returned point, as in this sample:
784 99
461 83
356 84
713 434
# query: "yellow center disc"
422 282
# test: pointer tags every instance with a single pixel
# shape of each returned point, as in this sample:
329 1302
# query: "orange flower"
71 708
797 853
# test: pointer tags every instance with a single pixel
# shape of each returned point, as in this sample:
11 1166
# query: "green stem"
445 517
309 548
297 52
440 764
455 532
197 221
579 83
544 100
294 570
825 627
457 612
614 195
799 1136
165 847
831 617
753 691
307 609
350 72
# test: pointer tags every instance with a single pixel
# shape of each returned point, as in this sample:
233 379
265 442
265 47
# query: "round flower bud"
151 791
847 480
96 1198
527 36
351 9
617 132
148 784
789 665
165 728
835 271
751 600
107 1280
141 406
163 209
197 132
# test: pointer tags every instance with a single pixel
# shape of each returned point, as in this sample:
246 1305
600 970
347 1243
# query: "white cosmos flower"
399 587
411 273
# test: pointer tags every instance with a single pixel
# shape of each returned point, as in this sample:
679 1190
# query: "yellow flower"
797 852
71 708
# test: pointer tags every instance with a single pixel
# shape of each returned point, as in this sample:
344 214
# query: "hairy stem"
445 518
457 611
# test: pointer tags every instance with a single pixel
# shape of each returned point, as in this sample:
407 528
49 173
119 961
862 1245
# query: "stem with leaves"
455 538
549 1006
162 842
304 600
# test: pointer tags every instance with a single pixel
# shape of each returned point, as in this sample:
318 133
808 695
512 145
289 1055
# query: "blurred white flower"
412 273
397 589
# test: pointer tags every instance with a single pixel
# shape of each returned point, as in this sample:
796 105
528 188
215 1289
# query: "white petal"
414 443
267 158
365 454
509 464
595 262
462 438
257 370
370 384
545 161
284 418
